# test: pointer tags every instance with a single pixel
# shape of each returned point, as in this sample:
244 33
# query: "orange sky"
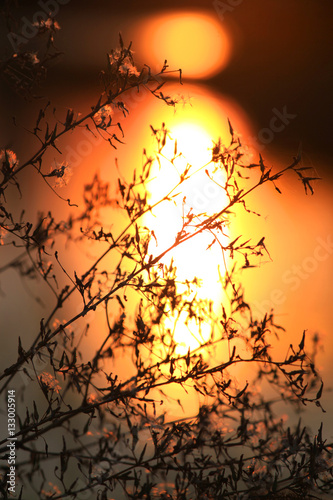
297 283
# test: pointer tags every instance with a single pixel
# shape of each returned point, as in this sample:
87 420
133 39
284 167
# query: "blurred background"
265 65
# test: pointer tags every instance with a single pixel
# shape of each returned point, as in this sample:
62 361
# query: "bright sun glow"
198 120
201 195
193 41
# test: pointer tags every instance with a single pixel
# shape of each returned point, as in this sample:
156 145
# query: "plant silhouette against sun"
116 440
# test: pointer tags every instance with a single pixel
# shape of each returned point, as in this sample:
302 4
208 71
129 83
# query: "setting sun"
199 195
194 42
165 284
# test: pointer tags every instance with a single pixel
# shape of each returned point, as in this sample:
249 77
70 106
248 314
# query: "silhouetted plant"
116 438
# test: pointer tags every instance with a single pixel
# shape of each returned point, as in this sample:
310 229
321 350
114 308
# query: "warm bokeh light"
193 41
197 195
200 118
